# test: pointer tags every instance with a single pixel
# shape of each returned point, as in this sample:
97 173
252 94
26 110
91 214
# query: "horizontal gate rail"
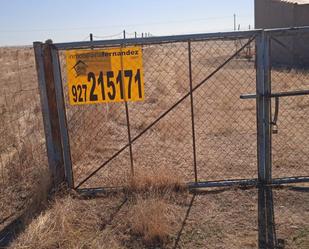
157 40
227 183
206 184
178 38
286 180
276 95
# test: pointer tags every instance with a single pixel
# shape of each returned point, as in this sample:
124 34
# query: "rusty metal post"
46 80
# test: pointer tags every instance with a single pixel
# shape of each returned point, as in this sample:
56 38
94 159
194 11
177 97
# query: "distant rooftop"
296 1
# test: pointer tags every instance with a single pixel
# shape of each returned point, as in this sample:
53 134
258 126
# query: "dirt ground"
225 132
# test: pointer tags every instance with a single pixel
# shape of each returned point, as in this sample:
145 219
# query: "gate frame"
54 113
52 97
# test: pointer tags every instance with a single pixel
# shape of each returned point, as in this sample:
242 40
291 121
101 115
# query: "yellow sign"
105 75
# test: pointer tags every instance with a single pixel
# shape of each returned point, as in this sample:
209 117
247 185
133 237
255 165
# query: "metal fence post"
43 57
62 118
263 106
192 111
263 89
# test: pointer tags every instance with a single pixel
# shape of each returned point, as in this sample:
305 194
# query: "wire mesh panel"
289 73
209 134
225 124
96 133
168 144
162 127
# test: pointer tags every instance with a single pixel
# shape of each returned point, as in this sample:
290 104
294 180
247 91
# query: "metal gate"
195 120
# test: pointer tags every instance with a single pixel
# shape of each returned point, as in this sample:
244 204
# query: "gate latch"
277 96
274 121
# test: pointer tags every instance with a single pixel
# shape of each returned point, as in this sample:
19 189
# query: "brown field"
23 164
155 211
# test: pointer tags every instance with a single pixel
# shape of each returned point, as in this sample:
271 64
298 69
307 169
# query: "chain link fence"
213 133
290 144
209 135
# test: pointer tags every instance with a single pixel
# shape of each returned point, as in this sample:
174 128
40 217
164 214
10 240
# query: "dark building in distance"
290 50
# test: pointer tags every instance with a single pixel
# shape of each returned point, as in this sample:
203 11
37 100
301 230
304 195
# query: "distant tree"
49 41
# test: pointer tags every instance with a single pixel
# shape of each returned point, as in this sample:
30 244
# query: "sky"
24 21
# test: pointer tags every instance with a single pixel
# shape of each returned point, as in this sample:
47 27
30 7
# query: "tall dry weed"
151 215
152 219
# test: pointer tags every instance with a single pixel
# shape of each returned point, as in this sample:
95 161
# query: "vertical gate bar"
127 112
263 105
268 113
129 137
48 100
271 232
263 89
62 118
260 137
192 112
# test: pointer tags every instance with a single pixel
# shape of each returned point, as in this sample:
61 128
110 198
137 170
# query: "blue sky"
25 21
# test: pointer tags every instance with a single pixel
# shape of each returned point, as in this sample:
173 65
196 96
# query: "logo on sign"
80 68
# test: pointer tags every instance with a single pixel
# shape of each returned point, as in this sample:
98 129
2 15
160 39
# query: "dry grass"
69 223
24 176
149 218
153 219
159 180
26 184
223 219
151 215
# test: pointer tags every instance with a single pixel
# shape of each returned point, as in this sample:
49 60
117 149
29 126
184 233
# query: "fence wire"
290 146
225 125
23 163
